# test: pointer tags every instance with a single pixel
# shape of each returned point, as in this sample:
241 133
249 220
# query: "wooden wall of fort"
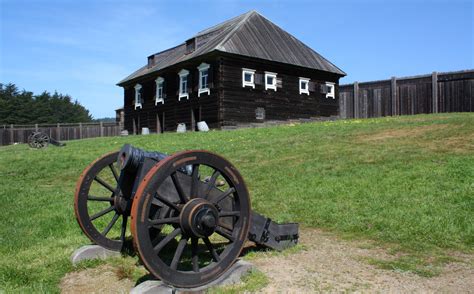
438 92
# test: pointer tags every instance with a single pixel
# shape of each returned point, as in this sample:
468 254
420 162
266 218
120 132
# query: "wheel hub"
122 205
199 218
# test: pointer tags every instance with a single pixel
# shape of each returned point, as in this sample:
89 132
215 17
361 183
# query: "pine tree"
25 108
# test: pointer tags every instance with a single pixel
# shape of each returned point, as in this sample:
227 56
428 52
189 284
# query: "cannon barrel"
131 158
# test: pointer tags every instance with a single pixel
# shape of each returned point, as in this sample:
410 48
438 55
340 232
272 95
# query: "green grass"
407 183
251 282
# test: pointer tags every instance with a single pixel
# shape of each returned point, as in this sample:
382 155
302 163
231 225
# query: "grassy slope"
407 182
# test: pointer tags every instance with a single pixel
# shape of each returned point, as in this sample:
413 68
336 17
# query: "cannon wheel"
101 177
194 246
38 140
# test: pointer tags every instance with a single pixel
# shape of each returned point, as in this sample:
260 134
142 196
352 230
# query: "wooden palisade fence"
438 92
10 134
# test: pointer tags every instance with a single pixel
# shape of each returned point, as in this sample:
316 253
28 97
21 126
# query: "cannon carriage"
189 213
40 140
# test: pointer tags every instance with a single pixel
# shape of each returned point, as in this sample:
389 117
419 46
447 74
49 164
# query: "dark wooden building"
246 69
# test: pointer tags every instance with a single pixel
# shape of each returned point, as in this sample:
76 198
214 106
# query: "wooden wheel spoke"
211 249
104 184
167 202
194 254
111 224
102 213
161 221
229 213
179 252
114 172
224 195
212 183
224 233
95 198
166 240
195 182
179 188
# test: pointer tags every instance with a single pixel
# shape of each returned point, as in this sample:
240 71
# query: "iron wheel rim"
82 197
173 271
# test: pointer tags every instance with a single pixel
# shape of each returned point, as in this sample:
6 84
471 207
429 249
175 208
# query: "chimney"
190 45
151 61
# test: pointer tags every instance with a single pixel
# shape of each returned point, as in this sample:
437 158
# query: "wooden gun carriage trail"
189 213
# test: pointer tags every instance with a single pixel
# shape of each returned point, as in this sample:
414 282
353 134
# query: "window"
330 90
270 81
159 91
203 79
248 77
183 84
304 86
138 96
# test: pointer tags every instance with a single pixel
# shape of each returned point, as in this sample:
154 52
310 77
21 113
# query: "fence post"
36 127
356 100
58 132
101 129
80 130
393 89
434 91
342 105
11 134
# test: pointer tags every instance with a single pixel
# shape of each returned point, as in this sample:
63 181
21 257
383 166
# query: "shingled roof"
249 34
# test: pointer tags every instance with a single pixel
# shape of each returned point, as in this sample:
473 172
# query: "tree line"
23 107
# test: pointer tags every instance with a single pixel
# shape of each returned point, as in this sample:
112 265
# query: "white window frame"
159 85
331 94
272 86
202 68
252 79
138 96
183 93
304 81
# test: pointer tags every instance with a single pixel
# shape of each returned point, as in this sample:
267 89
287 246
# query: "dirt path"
102 279
332 265
327 264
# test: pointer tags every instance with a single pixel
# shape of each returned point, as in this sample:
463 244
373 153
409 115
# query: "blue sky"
83 48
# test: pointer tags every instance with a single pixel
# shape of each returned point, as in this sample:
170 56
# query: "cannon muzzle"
131 158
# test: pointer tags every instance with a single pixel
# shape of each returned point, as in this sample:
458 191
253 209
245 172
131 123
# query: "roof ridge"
236 28
299 41
217 26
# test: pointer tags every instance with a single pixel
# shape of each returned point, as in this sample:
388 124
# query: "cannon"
40 140
188 215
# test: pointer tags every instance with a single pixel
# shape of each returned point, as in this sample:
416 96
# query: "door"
195 118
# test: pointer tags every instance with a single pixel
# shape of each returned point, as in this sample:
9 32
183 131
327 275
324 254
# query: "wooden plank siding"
174 111
229 103
453 92
239 104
